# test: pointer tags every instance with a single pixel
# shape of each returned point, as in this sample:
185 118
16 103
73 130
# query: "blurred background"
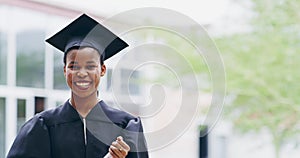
258 41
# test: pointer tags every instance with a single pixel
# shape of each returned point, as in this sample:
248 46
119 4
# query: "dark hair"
65 55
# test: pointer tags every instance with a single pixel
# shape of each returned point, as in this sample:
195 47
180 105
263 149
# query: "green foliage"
262 74
186 61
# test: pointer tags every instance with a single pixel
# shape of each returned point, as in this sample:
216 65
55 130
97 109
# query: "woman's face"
83 71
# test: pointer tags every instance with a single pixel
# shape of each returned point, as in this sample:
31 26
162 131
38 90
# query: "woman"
83 126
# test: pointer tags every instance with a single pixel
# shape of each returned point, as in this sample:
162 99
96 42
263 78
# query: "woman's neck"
83 105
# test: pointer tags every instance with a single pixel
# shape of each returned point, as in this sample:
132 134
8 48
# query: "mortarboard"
87 32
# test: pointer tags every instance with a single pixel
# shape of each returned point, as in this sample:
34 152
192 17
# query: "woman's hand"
119 148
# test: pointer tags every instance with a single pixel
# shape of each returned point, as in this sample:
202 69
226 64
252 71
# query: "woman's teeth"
82 83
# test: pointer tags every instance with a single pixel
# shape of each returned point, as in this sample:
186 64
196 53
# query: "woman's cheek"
97 78
97 81
69 79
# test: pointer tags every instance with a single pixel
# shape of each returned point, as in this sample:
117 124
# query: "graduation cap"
87 32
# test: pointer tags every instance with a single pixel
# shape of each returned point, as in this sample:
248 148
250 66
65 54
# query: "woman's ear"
103 70
65 70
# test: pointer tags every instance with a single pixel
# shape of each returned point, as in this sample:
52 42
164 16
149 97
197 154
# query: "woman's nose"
82 73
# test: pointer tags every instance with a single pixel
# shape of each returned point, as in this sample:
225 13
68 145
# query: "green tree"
262 75
261 70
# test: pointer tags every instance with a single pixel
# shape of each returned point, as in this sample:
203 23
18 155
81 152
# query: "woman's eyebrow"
73 62
90 62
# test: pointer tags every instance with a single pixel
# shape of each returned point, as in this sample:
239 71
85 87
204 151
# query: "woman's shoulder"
61 114
115 111
116 115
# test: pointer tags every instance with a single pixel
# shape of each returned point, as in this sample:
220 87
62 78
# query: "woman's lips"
83 85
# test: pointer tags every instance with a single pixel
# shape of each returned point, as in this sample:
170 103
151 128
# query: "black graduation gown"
59 133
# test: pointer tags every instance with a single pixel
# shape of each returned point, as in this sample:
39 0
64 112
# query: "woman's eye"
91 67
74 67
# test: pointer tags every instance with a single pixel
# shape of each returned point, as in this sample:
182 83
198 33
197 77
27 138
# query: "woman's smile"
83 85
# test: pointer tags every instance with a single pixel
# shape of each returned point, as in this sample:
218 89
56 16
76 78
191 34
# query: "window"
30 59
59 79
130 82
21 113
39 104
2 127
3 60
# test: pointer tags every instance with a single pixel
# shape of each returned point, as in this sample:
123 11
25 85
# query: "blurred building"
31 71
31 78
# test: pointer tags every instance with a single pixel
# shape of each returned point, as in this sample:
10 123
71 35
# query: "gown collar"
96 113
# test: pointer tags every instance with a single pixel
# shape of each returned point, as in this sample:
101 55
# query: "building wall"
31 71
31 76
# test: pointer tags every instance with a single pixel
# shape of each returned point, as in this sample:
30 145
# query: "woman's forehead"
83 54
